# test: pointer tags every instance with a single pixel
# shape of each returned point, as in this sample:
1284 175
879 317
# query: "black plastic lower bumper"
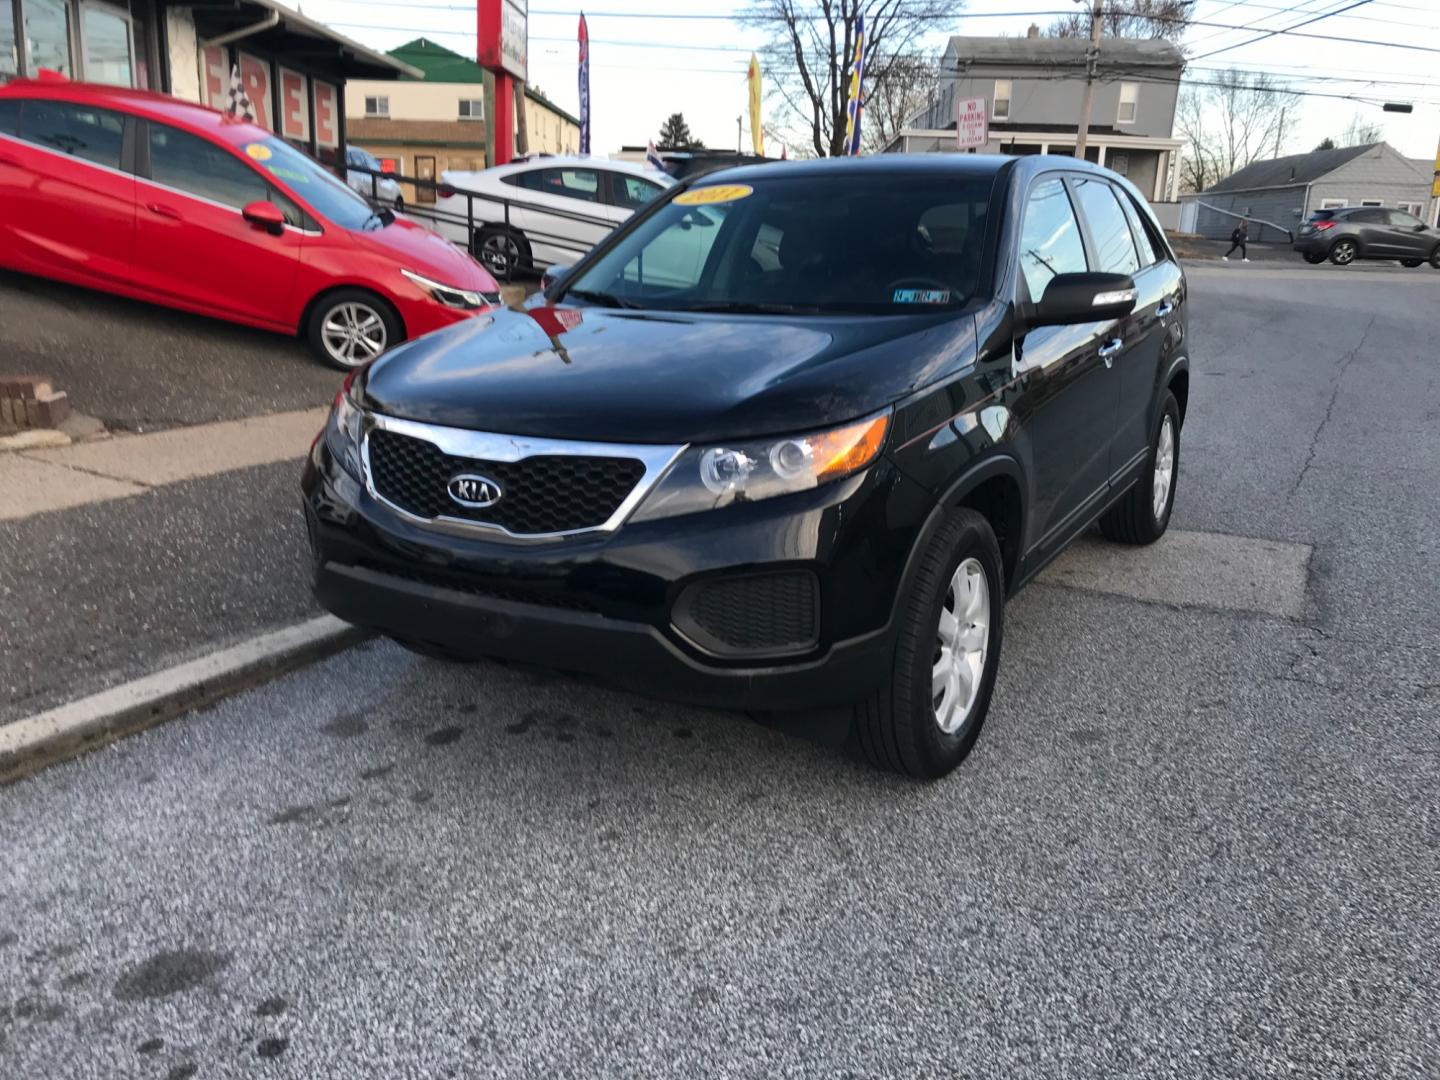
629 654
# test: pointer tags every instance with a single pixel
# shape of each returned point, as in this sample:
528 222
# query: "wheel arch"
315 301
1178 383
994 488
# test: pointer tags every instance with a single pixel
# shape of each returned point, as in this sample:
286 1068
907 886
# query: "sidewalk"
121 556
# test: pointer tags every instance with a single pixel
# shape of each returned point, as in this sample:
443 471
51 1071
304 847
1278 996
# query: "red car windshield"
324 192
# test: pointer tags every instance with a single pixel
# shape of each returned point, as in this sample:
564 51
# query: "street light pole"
1092 56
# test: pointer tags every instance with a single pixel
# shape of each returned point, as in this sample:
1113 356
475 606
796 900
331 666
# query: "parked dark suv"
1368 232
788 438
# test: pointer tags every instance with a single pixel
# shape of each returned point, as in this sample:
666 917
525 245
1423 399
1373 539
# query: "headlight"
343 429
709 477
450 296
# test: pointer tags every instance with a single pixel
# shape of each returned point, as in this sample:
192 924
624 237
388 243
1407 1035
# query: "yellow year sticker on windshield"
718 194
258 152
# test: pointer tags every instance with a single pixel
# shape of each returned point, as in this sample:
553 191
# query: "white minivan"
561 208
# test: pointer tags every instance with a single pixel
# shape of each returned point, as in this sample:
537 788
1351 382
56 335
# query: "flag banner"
653 158
240 105
855 107
757 128
584 86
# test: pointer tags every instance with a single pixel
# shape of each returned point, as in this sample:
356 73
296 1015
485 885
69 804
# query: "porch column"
1044 148
1174 176
1162 177
1100 154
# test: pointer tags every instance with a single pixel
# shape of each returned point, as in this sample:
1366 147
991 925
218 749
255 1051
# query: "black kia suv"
788 438
1367 232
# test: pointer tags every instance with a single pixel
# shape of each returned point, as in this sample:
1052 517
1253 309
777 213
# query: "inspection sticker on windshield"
717 194
258 152
922 296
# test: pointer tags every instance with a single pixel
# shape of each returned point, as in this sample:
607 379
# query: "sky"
645 63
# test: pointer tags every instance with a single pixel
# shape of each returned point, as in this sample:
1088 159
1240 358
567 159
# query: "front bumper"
616 605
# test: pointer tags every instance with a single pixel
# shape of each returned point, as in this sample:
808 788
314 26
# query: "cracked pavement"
1192 841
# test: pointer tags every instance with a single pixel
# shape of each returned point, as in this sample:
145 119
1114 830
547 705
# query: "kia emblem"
475 492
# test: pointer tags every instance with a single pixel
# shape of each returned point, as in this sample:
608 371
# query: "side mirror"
554 274
1083 298
265 215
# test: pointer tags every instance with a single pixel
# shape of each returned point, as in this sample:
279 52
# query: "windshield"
322 190
878 243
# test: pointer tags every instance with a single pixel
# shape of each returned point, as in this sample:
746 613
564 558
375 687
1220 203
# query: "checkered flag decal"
239 101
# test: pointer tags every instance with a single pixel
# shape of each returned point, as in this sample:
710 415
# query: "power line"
1291 30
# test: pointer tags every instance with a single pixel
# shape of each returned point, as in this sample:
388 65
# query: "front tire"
1344 252
1143 514
350 327
1435 258
926 717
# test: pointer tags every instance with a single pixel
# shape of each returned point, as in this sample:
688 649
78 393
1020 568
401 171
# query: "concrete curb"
91 722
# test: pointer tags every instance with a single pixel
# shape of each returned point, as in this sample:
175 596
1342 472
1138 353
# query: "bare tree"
1228 122
1361 132
809 51
1129 19
914 83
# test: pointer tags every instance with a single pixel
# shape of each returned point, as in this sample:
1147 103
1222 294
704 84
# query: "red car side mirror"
265 215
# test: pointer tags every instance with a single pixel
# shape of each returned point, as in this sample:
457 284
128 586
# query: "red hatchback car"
162 200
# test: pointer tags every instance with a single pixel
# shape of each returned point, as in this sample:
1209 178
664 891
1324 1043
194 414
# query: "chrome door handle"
1109 349
1164 309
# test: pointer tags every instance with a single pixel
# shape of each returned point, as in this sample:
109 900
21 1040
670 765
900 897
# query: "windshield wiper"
602 298
736 307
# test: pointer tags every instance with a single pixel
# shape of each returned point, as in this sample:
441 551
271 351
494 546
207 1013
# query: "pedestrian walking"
1237 240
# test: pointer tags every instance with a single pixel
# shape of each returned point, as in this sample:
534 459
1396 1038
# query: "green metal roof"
442 65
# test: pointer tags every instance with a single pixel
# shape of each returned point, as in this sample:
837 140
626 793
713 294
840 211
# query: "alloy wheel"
499 253
354 334
1344 253
962 642
1164 468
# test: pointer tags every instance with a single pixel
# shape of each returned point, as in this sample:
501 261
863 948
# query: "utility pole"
1280 132
737 133
1092 57
522 121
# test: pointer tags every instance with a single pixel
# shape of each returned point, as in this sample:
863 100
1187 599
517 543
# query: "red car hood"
411 246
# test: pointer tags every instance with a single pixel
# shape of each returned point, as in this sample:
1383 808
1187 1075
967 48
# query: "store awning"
295 35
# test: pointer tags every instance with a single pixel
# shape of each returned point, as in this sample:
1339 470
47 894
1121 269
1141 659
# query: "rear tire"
1410 264
502 250
1314 258
1344 252
375 324
960 578
1143 513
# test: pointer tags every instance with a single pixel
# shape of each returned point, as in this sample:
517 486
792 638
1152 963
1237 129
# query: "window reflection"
47 30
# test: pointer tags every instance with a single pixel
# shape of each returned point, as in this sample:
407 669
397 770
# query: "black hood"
672 377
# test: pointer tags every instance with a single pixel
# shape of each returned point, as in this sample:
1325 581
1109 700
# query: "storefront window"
47 30
9 53
105 33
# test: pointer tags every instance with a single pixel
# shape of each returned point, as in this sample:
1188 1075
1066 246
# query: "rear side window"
1368 217
1050 237
1150 252
198 167
1109 229
94 135
9 117
568 183
631 192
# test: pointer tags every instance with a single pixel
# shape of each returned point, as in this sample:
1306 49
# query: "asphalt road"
1191 842
144 368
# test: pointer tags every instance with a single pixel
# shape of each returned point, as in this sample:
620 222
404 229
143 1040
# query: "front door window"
47 36
108 51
